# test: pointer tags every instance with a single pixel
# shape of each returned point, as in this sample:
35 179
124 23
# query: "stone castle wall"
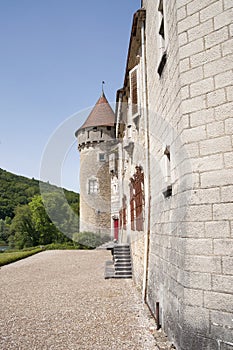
190 110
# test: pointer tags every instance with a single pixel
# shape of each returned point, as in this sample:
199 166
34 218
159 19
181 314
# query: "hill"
18 190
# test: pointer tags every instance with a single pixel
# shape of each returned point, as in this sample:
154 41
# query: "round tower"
95 138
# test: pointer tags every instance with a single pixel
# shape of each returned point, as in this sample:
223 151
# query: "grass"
13 255
9 257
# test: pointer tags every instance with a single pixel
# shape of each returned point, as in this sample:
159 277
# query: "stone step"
122 273
123 268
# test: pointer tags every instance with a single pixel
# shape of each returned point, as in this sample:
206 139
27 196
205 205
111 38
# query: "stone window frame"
92 186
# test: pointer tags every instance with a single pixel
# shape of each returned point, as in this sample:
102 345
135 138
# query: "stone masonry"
183 258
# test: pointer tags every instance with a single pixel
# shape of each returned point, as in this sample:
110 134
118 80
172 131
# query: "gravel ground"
60 300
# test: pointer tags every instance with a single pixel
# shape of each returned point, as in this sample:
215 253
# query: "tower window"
108 127
102 157
167 192
92 186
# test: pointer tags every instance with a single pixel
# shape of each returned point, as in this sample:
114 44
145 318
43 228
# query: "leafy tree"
23 233
48 233
4 231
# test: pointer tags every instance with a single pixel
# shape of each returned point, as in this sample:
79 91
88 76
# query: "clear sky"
54 56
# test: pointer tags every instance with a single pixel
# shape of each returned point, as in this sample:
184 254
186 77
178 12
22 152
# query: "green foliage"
9 257
19 190
27 219
90 239
63 246
22 230
4 230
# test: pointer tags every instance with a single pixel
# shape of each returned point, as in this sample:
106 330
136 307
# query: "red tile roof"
101 115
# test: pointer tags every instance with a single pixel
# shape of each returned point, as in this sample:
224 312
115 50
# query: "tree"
22 230
47 232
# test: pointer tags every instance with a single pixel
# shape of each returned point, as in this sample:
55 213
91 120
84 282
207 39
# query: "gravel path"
60 300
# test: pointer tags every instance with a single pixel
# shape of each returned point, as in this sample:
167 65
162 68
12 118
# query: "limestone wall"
190 110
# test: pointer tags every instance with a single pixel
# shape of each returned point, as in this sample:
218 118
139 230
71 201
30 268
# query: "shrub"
90 239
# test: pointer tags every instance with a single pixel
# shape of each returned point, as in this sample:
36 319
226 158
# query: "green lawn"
9 257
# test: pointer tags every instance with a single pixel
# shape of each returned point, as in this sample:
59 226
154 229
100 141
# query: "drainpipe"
147 187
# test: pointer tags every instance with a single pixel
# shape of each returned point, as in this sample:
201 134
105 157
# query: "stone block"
194 134
218 301
195 280
205 196
194 317
201 87
211 11
215 129
206 56
184 65
223 246
217 229
181 13
215 145
193 297
223 211
227 192
227 47
207 163
183 38
200 30
223 19
216 98
197 5
223 79
202 117
193 104
224 111
199 212
230 93
207 264
199 246
192 48
227 265
222 284
188 22
216 178
218 66
191 76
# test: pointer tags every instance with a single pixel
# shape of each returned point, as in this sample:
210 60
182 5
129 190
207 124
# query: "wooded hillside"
29 219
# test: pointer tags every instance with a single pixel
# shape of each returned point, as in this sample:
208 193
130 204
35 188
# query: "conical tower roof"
101 115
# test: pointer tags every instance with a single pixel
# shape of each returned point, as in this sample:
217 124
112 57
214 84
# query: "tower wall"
95 180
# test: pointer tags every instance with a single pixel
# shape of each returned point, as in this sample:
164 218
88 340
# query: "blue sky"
54 56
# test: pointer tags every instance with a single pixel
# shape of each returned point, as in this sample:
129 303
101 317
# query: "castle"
160 171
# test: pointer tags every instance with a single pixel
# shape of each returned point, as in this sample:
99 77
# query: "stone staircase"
120 266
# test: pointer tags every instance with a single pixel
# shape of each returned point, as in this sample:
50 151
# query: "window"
161 43
167 192
109 128
92 186
102 157
134 100
137 200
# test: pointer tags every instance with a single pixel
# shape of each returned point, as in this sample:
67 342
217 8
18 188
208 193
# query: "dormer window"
95 129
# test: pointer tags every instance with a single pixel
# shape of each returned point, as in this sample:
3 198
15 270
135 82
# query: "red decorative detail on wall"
137 199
